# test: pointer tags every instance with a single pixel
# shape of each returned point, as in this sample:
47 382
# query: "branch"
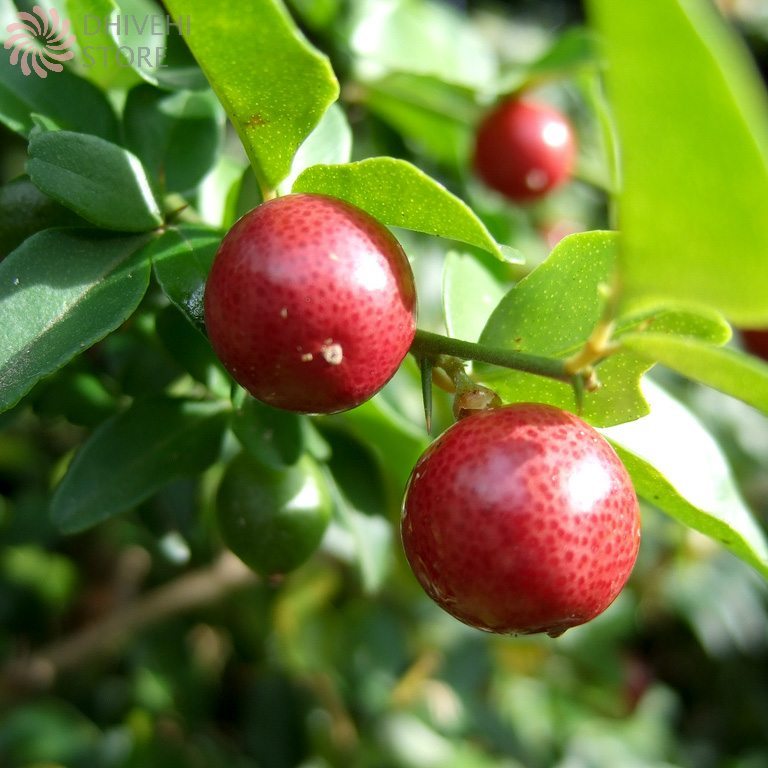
426 344
188 592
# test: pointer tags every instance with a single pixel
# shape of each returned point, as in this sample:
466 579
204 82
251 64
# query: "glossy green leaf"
139 451
679 467
104 183
692 120
727 370
274 86
176 136
399 194
552 313
60 292
71 101
330 143
182 259
472 288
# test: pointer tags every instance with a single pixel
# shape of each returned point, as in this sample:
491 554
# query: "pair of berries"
517 519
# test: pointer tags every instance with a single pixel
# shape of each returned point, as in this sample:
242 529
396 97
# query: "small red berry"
310 304
521 519
756 342
524 149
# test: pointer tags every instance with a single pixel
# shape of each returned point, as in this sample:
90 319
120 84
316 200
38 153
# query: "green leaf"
102 182
395 441
727 370
176 136
274 86
437 117
119 45
220 192
274 437
191 350
60 292
365 540
329 143
140 451
24 210
72 102
182 259
552 313
693 125
399 194
419 37
572 51
679 467
472 288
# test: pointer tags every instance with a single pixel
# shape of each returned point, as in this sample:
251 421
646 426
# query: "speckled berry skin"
521 519
524 150
310 304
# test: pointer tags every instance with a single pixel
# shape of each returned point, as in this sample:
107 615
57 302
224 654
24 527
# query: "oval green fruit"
273 519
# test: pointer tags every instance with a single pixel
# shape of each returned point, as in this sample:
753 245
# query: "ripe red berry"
524 149
521 519
310 304
756 342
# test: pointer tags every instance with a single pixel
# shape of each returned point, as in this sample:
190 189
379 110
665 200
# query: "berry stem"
427 344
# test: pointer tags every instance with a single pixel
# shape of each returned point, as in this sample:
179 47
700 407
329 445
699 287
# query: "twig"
190 591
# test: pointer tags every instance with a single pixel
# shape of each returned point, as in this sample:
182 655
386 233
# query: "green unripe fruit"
273 519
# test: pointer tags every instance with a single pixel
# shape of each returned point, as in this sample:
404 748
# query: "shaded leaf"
102 182
71 101
60 292
176 136
133 455
182 259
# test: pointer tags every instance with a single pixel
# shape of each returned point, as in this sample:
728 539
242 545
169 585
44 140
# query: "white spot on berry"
536 179
284 312
333 354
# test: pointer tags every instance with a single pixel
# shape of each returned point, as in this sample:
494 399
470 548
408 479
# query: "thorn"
578 392
425 366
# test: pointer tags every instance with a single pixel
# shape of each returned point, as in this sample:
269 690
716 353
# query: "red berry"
521 519
756 342
524 149
310 304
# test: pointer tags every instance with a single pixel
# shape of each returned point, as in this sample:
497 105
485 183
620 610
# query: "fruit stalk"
431 345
